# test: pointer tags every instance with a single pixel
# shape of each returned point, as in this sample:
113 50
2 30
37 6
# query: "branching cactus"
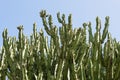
66 53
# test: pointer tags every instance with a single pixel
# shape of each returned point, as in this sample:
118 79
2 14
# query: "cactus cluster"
66 53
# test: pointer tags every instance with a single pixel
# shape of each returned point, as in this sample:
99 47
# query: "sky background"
25 12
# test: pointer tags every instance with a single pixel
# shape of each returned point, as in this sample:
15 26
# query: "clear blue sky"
25 12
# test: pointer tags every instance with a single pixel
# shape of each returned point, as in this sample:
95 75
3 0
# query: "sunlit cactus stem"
61 53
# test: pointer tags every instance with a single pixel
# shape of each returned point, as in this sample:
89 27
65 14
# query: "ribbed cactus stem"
62 54
20 36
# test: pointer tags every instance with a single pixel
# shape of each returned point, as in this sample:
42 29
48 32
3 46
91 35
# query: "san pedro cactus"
66 53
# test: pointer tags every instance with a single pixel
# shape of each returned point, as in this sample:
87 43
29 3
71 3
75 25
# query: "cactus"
66 53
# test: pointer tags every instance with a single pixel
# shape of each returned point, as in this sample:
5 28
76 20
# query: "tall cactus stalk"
67 54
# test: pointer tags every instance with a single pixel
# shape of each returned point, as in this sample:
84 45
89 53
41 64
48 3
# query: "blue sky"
25 12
